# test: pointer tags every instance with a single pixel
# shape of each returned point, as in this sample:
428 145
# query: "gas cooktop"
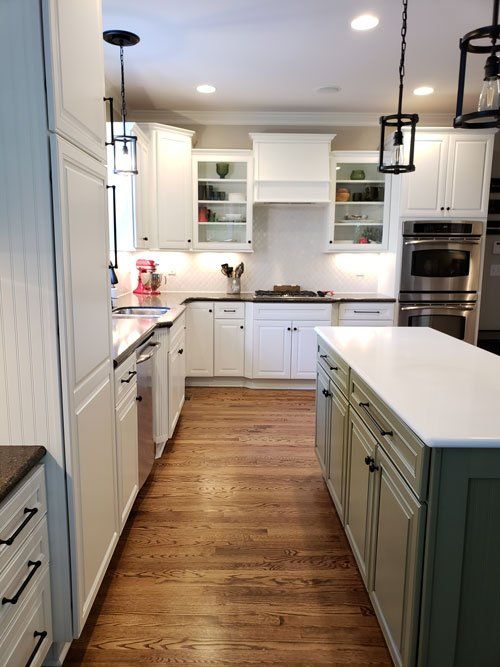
280 295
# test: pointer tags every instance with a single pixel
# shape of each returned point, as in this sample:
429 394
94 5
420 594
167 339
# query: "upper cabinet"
172 187
75 72
361 196
452 175
144 232
292 168
222 200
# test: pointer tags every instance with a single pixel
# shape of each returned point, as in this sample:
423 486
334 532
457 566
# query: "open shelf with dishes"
222 200
360 203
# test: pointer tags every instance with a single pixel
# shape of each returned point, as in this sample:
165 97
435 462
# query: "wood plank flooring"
234 554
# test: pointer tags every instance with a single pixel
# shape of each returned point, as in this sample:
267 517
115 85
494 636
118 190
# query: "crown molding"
278 118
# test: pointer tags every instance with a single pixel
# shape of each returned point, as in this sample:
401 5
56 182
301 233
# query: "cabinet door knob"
249 242
295 329
289 328
145 238
209 310
138 399
189 240
241 326
181 351
330 241
447 208
442 208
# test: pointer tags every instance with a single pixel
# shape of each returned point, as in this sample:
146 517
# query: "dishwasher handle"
145 357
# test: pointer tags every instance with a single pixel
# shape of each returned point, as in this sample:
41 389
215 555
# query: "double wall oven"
440 272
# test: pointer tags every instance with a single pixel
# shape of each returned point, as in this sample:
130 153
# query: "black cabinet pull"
41 636
189 240
34 564
447 208
326 393
249 242
111 116
138 399
330 241
130 376
145 238
372 467
241 326
209 310
442 208
289 328
370 462
295 329
181 351
323 356
115 233
229 310
333 368
382 431
31 513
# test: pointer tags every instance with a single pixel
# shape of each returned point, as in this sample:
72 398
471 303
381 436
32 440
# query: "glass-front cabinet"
360 203
222 200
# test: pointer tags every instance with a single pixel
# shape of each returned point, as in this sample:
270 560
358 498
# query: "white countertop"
445 390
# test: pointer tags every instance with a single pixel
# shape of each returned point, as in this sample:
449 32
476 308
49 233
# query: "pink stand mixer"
149 280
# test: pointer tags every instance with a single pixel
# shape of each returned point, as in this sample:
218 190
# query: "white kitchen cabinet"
303 362
75 71
272 345
223 223
322 420
173 190
229 347
200 339
80 224
291 167
366 314
127 444
144 233
177 378
452 175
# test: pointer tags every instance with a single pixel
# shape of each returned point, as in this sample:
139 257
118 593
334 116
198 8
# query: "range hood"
291 168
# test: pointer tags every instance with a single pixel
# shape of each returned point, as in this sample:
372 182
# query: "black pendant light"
396 121
124 145
488 106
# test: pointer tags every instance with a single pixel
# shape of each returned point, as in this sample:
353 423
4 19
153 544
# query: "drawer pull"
41 636
34 564
382 431
370 312
326 393
333 368
31 513
323 356
181 350
229 310
130 376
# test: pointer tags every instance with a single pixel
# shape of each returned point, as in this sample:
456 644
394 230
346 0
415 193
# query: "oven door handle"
429 306
443 241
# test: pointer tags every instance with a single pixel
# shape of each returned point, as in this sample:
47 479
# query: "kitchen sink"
139 311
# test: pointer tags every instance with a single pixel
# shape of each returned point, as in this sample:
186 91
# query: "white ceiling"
272 55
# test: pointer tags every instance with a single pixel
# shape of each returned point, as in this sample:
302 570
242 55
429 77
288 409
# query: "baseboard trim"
248 383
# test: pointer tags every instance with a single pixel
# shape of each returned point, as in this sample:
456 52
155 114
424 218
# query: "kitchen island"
408 440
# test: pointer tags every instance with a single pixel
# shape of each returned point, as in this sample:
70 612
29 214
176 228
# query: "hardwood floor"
234 554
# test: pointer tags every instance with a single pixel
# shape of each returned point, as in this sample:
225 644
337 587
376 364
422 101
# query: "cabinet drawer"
335 367
125 377
406 451
29 636
366 311
20 513
230 310
292 311
23 573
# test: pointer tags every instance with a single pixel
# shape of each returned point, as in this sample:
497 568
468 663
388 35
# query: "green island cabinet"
423 524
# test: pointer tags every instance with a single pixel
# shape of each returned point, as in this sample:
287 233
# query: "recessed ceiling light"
205 88
423 90
329 89
364 22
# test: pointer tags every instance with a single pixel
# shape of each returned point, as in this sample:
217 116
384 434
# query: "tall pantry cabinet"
55 321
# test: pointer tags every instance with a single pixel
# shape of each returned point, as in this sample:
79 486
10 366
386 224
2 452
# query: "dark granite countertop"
129 332
16 461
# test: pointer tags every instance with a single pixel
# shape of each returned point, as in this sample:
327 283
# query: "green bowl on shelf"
357 175
222 168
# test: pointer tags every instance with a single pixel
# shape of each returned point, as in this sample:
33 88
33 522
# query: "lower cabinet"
200 339
229 347
397 547
359 490
177 378
127 443
338 429
322 419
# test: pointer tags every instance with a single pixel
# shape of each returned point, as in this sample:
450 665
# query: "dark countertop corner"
16 461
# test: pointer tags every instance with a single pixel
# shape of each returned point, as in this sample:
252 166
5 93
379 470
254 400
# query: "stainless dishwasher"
145 365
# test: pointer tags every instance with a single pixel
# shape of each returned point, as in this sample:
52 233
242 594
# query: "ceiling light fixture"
488 106
423 90
206 88
124 145
399 120
364 22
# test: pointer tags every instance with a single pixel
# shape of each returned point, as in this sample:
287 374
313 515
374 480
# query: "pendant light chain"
404 29
122 92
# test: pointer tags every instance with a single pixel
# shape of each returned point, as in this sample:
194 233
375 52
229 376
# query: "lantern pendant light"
396 163
124 145
488 107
